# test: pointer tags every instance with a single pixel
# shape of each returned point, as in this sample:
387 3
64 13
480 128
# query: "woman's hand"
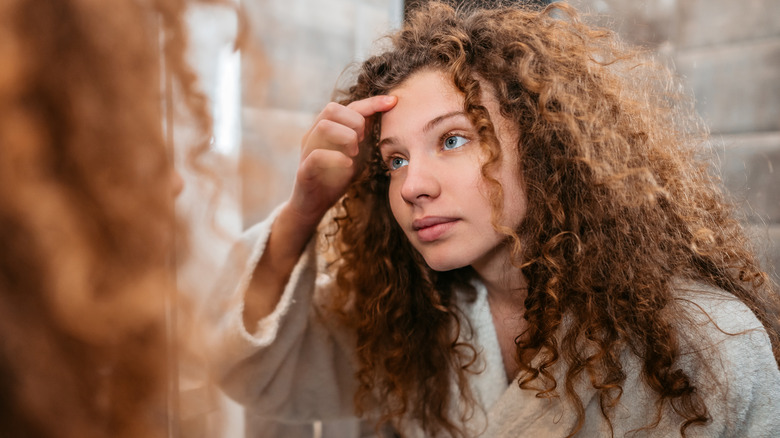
324 173
327 152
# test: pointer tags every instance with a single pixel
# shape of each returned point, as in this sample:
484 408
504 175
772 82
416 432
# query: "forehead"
430 93
422 97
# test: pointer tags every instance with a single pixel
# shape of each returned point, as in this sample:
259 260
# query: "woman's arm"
295 365
324 173
274 349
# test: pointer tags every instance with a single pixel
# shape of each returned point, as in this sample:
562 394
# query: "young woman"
523 242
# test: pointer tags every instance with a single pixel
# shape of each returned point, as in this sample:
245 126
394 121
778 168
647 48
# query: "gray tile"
767 244
648 23
737 87
713 22
750 169
269 159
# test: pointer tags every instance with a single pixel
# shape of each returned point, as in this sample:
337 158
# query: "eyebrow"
428 126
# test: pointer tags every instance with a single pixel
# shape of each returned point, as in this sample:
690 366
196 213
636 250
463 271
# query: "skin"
436 192
177 183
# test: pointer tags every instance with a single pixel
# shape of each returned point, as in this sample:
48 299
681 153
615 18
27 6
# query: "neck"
511 289
503 281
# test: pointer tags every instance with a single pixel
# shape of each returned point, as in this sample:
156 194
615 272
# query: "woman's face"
437 193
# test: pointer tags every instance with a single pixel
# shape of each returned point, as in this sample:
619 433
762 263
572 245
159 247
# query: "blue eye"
454 142
397 163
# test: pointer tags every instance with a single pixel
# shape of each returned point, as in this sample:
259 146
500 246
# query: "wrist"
296 226
306 217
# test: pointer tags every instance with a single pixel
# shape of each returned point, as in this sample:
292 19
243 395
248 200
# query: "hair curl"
620 207
86 213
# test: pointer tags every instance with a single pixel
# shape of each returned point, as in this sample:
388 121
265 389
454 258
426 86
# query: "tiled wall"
728 53
307 45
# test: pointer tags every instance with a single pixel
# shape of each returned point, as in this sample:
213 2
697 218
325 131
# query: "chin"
443 265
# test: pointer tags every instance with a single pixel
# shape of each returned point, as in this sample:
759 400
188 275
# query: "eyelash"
386 163
444 137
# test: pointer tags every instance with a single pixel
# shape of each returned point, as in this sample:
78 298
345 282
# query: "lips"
431 228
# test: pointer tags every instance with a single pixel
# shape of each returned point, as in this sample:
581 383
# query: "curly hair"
621 207
86 213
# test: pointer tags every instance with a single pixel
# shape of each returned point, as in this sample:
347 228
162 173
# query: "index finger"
372 105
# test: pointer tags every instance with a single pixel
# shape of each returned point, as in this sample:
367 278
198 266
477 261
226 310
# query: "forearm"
324 173
289 235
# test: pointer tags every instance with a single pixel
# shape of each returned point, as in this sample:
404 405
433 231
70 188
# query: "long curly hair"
621 207
87 225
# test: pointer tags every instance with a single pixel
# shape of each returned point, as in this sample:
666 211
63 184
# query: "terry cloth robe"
297 366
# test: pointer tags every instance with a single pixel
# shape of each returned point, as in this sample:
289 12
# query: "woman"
523 243
87 225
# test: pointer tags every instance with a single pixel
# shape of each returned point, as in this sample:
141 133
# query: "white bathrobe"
297 366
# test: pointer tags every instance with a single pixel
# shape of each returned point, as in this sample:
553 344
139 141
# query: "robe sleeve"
296 365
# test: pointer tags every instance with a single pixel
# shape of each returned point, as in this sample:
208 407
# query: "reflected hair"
86 213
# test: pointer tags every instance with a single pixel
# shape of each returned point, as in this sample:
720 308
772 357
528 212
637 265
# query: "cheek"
515 202
395 201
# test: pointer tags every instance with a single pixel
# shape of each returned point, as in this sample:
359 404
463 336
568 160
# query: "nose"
421 182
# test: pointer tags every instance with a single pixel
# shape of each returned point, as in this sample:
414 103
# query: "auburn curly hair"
86 213
620 207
